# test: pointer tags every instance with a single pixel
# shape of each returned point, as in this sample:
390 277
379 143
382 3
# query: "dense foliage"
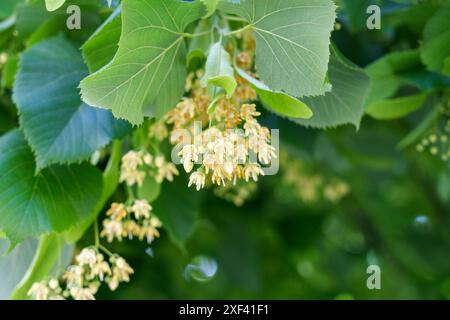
96 95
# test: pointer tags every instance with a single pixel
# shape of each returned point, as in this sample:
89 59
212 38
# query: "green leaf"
278 102
344 104
110 183
386 73
9 72
50 27
8 116
7 8
53 5
292 41
149 69
58 126
178 208
414 17
218 70
5 25
101 47
436 50
396 108
51 248
436 46
53 200
29 17
199 45
211 6
357 13
420 130
446 69
14 265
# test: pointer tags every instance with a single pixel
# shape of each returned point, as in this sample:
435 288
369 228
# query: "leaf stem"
104 249
96 234
195 35
231 33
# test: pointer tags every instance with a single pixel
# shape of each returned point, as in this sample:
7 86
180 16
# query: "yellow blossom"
141 209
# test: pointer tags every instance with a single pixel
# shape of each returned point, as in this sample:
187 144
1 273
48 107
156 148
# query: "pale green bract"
148 72
55 199
211 6
396 108
278 102
292 41
218 70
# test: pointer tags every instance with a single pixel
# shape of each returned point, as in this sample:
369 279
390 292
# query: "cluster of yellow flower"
308 185
137 220
230 144
226 154
84 278
137 164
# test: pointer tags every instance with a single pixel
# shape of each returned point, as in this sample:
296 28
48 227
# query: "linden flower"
112 229
94 286
87 257
223 147
132 177
130 229
53 284
266 153
74 276
117 211
183 112
141 208
100 269
198 179
121 270
148 159
241 153
158 130
39 291
166 170
149 229
81 293
253 171
252 128
248 112
113 283
132 160
189 154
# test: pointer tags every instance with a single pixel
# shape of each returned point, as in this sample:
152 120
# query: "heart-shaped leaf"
292 41
148 71
59 127
55 199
